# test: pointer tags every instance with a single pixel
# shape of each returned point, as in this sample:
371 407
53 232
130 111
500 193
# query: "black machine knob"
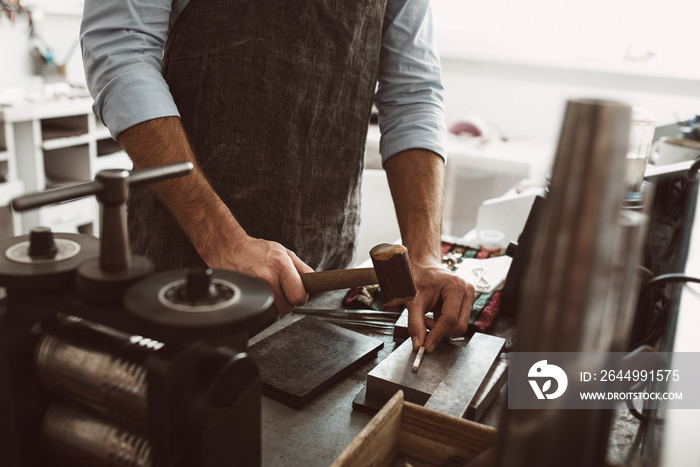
199 286
200 290
41 244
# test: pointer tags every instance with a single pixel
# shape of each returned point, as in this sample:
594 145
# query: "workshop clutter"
485 308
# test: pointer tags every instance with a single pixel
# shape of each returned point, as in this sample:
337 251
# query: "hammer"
392 271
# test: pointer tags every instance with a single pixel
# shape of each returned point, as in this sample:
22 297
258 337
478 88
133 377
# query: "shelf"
105 147
117 160
53 184
102 132
62 132
57 146
62 144
68 164
49 109
661 170
65 142
9 190
68 216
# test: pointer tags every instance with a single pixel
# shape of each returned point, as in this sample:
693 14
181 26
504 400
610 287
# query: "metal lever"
107 277
136 177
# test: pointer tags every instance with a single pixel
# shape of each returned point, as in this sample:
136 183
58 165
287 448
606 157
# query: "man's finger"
300 266
281 302
274 280
292 286
416 322
464 313
448 318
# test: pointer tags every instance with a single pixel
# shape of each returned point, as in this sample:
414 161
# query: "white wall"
15 62
516 63
378 218
527 101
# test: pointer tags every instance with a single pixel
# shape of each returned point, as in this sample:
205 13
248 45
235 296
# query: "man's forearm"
205 219
211 227
416 181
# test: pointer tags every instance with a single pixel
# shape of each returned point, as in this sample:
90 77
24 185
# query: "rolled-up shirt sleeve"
122 44
410 92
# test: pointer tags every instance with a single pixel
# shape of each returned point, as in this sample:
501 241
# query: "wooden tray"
405 429
403 433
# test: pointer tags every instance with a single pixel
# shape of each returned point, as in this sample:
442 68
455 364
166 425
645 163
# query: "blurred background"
508 68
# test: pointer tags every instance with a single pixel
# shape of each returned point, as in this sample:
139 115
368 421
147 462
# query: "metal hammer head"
394 274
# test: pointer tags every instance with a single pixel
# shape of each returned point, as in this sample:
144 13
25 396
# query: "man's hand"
442 291
273 263
210 226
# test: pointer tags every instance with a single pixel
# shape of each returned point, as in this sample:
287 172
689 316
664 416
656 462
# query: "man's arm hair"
416 182
204 218
211 227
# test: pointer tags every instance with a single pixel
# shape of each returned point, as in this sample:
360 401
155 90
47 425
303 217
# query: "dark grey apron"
275 96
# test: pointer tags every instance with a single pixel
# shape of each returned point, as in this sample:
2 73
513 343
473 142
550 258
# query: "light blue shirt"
123 40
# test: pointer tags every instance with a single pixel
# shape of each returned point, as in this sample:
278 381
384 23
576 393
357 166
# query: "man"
270 99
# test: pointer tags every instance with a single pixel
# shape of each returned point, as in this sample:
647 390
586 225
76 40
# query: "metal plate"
455 393
396 372
302 359
452 372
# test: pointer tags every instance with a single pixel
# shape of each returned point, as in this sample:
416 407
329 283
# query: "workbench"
318 432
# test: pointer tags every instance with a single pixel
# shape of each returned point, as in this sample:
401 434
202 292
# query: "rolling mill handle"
98 187
111 188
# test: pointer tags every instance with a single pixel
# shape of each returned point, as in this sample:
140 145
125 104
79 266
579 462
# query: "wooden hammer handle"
338 279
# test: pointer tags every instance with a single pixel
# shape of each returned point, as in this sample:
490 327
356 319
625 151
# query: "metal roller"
95 364
79 437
